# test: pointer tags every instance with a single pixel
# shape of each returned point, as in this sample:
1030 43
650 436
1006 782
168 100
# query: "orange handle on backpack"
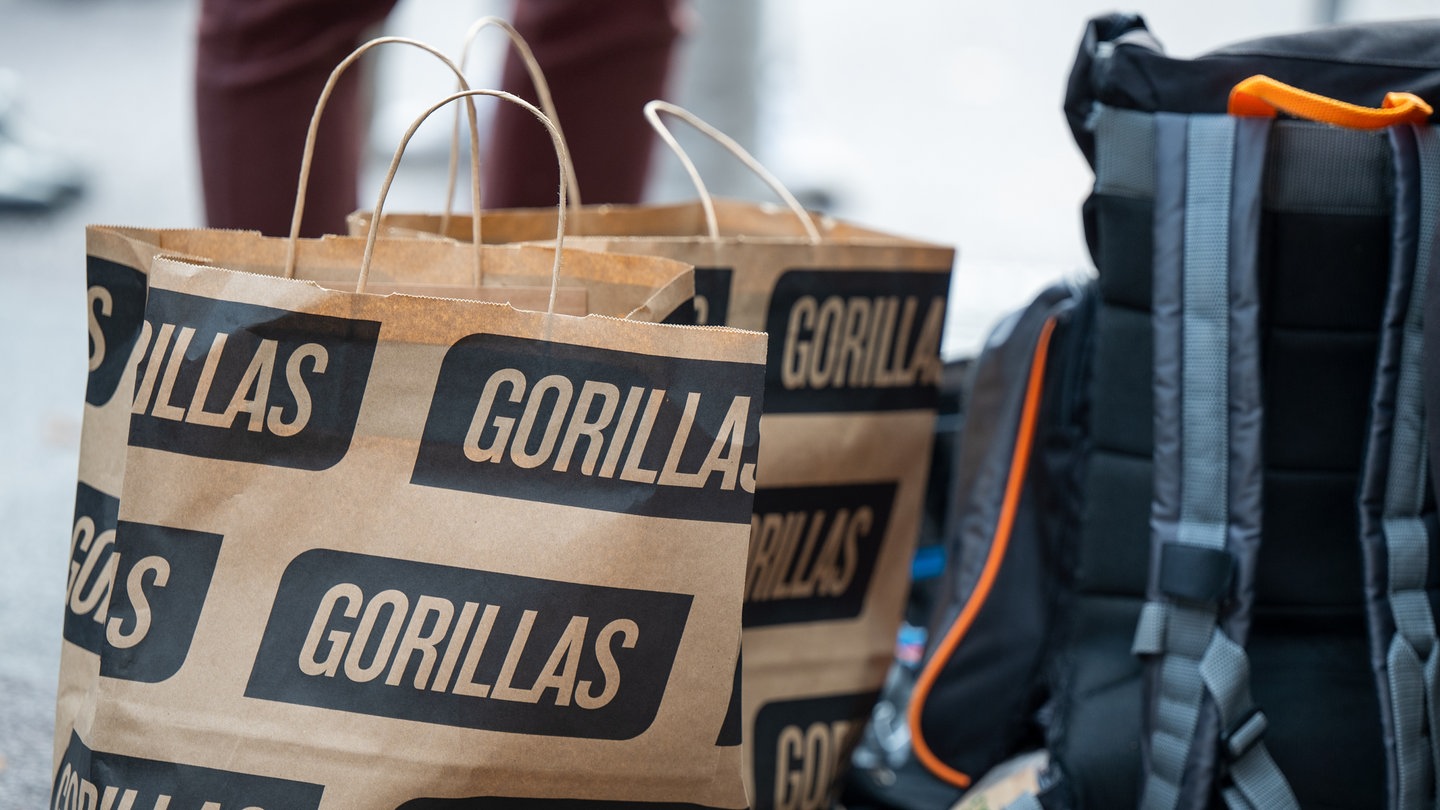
1262 96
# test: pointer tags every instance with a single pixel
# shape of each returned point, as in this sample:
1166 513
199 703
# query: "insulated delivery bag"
1195 560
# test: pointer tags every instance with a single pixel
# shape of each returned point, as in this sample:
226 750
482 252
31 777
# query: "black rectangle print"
712 295
116 305
161 582
97 781
242 382
459 647
855 340
802 747
91 579
595 428
135 591
711 304
813 551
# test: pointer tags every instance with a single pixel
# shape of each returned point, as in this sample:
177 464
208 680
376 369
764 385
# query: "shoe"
34 175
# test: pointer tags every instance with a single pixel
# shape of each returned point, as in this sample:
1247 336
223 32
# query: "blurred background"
928 118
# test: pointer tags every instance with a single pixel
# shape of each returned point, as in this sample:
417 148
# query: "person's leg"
260 67
603 61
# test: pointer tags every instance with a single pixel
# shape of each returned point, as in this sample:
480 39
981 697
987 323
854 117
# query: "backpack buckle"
1244 735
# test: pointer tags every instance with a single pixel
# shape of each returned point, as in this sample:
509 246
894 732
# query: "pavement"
955 137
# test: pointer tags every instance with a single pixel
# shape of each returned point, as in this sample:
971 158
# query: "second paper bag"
854 319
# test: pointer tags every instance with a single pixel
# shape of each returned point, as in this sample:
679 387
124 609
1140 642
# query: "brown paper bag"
854 318
369 555
118 262
440 579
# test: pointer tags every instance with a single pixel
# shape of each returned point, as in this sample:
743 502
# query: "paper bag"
854 320
390 551
118 262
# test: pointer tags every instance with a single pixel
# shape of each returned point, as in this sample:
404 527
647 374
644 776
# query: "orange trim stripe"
1019 465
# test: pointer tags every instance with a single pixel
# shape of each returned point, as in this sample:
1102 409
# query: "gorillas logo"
94 780
477 649
595 428
813 551
116 306
161 581
858 340
93 564
134 590
802 747
249 383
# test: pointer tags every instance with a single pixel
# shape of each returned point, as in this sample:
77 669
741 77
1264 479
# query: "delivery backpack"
1193 554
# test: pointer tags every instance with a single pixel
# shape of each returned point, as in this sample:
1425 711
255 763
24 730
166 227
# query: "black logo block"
711 304
92 569
813 551
611 430
98 780
115 300
241 382
712 295
861 340
161 580
802 747
476 649
134 591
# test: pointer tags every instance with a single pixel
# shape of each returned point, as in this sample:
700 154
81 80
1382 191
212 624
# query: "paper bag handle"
547 105
309 153
652 114
1262 96
562 155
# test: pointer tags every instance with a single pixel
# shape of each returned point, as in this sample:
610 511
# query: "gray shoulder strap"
1205 517
1396 536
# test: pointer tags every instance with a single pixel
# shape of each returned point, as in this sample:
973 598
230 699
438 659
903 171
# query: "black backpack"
1193 547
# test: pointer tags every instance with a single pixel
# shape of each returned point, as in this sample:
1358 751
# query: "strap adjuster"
1244 735
1195 574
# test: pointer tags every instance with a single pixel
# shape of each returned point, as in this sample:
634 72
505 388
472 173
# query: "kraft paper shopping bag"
854 319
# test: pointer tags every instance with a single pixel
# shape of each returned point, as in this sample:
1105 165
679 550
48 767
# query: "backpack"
1191 551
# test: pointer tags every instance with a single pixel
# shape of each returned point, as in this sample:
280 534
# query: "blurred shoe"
34 174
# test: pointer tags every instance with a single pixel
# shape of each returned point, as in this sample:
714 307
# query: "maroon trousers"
261 64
